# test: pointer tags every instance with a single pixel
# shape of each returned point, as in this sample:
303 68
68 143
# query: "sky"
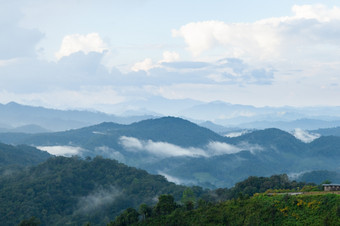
94 54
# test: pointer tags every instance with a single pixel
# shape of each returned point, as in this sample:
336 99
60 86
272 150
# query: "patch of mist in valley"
97 200
304 135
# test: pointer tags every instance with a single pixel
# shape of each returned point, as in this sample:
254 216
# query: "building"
331 187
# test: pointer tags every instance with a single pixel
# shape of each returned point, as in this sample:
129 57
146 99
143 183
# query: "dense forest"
256 201
260 209
72 191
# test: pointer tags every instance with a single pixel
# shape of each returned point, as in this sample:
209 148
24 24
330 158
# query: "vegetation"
240 205
72 191
13 158
257 210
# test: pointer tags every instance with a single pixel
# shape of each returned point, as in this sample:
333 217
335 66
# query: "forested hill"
258 210
21 155
167 129
271 200
70 191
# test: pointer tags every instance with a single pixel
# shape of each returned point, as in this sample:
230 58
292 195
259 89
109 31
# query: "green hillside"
20 156
72 191
258 210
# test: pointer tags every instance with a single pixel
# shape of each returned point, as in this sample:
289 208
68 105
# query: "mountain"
17 115
21 155
335 131
25 129
172 130
320 176
217 128
189 154
303 123
70 191
250 117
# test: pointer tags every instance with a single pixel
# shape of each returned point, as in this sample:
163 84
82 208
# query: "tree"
128 217
33 221
166 204
188 196
145 211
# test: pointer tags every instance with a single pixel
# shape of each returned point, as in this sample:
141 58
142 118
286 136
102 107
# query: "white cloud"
131 143
170 57
164 149
304 135
61 150
86 43
267 39
236 134
318 12
219 148
148 64
144 65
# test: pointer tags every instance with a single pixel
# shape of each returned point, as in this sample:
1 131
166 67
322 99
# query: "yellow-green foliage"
260 210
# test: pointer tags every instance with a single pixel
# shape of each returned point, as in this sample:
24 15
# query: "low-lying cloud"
97 200
109 152
164 149
159 148
305 136
66 151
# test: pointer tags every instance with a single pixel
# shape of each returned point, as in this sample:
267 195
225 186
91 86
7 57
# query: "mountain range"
190 154
226 117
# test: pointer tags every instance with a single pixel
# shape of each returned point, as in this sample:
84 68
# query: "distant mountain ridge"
17 115
221 114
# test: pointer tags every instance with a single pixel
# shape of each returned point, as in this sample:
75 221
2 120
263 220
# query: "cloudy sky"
93 54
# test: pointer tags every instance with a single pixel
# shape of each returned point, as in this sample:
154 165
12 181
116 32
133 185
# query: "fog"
66 151
304 135
164 149
96 200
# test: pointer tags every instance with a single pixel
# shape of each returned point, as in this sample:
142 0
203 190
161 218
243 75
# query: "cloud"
86 43
186 65
144 65
61 150
176 180
170 56
318 12
310 27
109 152
131 143
98 199
236 134
16 41
219 148
164 149
148 64
305 136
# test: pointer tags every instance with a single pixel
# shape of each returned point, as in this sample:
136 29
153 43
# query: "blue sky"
94 54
